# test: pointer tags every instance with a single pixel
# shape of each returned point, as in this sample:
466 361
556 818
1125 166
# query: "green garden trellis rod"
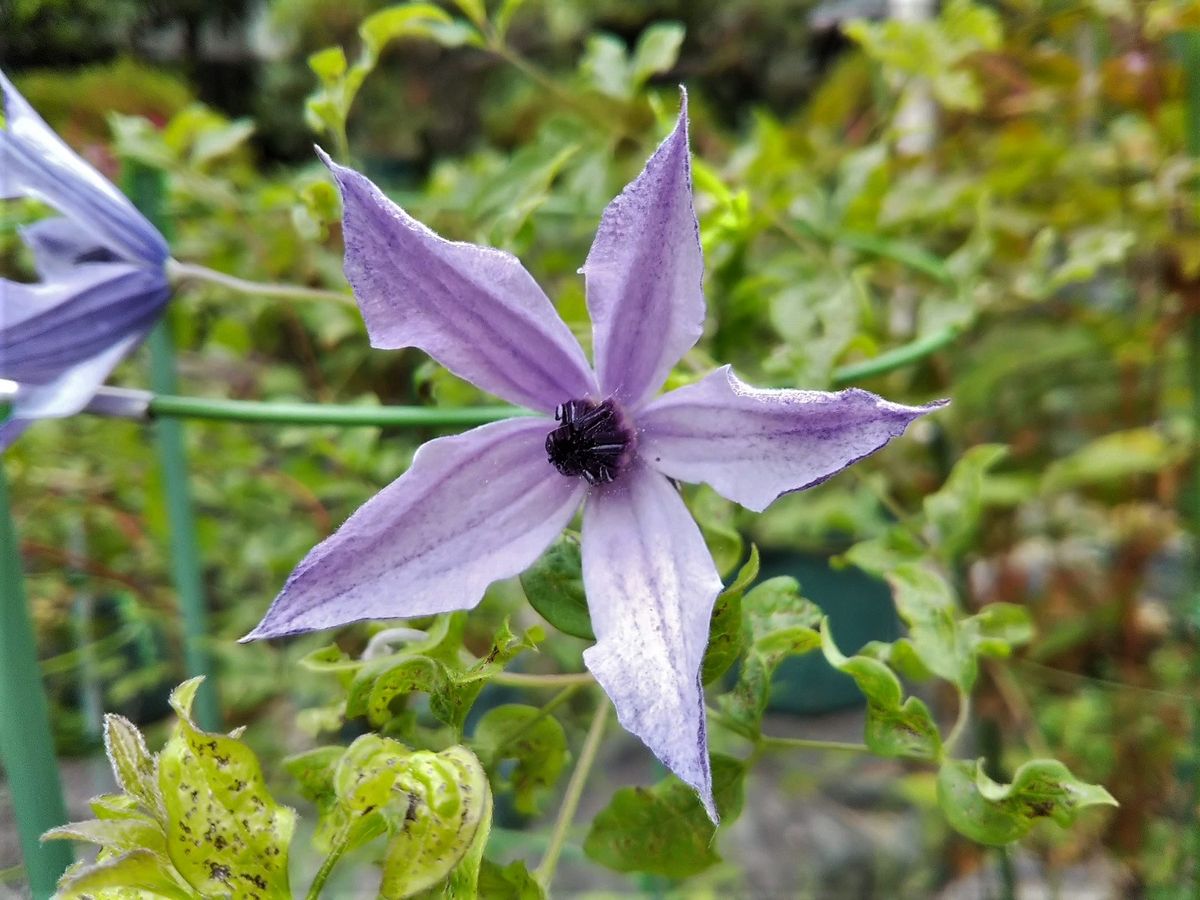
146 188
26 741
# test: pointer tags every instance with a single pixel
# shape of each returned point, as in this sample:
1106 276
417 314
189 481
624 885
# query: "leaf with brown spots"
992 813
225 833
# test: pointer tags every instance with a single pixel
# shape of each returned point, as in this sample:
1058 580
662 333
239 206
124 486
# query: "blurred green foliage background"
1038 223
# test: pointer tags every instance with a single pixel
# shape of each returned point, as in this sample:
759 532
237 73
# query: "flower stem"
326 414
181 273
960 722
335 853
521 679
566 813
787 743
897 358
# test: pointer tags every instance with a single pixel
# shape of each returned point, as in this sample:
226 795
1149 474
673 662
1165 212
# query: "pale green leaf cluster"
933 49
195 820
432 809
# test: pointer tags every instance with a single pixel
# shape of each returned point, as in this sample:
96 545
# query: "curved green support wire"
145 187
26 741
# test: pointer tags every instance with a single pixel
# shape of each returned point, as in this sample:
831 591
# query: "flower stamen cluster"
593 442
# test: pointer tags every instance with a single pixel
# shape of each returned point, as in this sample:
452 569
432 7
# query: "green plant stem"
521 679
566 812
767 742
181 273
146 188
787 743
960 722
323 873
896 358
168 405
175 407
505 52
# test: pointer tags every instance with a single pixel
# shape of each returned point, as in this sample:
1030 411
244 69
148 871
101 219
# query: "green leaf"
329 64
928 605
139 870
536 741
663 830
554 586
895 726
313 771
952 514
402 20
225 832
504 16
376 686
880 555
135 769
513 882
997 628
725 633
448 802
116 835
453 700
605 66
1112 459
473 10
992 813
778 623
657 51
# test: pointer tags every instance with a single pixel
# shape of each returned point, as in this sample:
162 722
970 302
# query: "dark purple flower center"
593 442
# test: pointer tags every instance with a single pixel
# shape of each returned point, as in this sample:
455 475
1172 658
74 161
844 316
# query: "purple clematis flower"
102 269
483 505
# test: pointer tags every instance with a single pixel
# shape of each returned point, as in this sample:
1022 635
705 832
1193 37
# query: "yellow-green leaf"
448 800
226 834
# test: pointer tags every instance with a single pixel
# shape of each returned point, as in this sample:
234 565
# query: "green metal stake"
26 742
1189 51
145 187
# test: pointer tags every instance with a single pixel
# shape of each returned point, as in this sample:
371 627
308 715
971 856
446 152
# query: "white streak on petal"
651 584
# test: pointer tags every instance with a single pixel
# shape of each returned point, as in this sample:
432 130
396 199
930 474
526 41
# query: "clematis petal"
651 584
71 389
473 508
644 275
473 309
49 327
59 245
34 162
751 445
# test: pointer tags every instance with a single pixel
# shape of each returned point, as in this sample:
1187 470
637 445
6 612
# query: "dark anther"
592 442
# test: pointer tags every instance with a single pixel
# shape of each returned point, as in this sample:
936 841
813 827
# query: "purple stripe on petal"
472 509
473 309
644 275
34 162
752 445
46 328
651 584
72 387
